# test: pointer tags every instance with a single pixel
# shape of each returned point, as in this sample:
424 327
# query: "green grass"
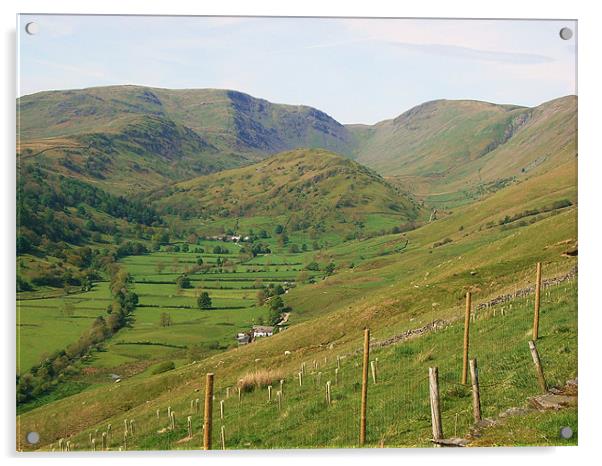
398 408
43 326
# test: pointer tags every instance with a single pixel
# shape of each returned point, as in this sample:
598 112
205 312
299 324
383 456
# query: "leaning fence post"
476 396
364 387
223 437
537 302
466 335
208 418
538 368
435 406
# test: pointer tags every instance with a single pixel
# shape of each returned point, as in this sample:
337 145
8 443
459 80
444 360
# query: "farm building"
243 338
262 331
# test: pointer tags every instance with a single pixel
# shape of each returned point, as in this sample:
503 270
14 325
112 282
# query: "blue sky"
356 70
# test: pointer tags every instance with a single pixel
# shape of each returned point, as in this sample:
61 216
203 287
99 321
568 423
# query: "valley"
220 211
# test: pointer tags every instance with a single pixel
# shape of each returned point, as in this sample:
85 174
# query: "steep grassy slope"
449 151
454 151
314 189
118 134
132 155
493 245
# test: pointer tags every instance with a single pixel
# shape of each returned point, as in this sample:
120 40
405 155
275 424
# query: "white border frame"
589 218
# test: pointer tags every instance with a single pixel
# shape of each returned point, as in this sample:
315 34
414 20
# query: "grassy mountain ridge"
314 188
241 128
451 151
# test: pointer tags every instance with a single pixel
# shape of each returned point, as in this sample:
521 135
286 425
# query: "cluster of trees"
294 249
255 248
45 376
78 266
43 200
269 291
272 294
131 248
561 204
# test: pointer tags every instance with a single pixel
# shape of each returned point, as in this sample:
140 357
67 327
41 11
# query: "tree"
183 282
165 319
204 301
277 303
274 316
313 266
279 229
330 268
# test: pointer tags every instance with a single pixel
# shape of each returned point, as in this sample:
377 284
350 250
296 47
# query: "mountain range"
132 138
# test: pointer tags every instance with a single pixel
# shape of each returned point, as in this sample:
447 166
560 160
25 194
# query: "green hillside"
452 152
313 190
154 226
132 138
490 248
119 134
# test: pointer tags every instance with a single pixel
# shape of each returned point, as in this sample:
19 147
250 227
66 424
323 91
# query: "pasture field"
48 324
48 320
392 283
398 404
192 332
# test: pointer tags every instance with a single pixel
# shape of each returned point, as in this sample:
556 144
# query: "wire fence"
296 410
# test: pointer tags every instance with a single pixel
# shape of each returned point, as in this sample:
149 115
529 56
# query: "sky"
356 70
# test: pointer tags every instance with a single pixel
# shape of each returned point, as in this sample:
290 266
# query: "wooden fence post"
537 303
435 406
208 419
466 335
538 368
328 397
223 437
476 396
364 387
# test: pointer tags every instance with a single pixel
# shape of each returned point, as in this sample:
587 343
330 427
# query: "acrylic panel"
277 233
